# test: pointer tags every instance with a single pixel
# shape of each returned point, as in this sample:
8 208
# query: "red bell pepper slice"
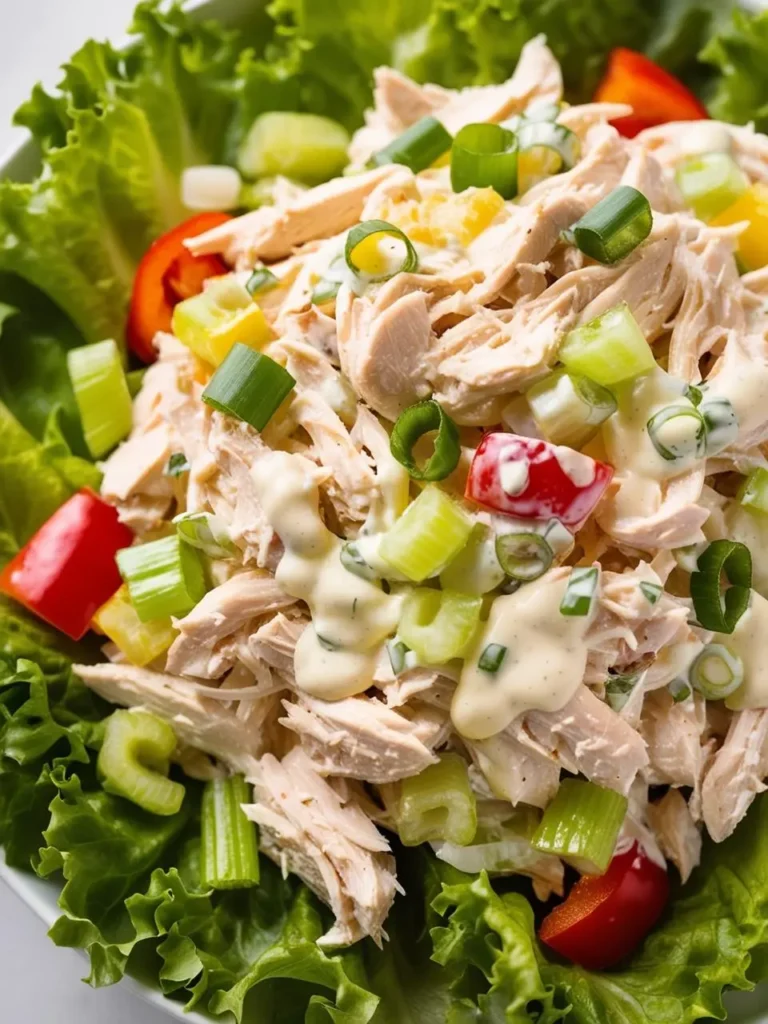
551 481
67 571
168 273
606 917
657 96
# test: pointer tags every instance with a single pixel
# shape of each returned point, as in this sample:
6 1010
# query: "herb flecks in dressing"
544 665
351 617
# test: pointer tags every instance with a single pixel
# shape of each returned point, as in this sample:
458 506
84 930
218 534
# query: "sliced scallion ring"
523 556
716 672
414 423
492 658
367 232
354 562
397 651
482 156
718 611
417 148
679 690
618 689
261 280
678 432
568 407
580 592
545 149
249 386
721 422
618 224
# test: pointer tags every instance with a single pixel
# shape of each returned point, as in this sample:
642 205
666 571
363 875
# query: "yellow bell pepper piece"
222 315
751 206
141 642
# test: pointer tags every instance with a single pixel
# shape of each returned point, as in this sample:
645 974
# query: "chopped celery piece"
165 577
476 569
141 642
427 536
134 761
568 408
307 147
711 183
229 856
220 316
439 625
438 804
135 380
753 493
609 349
581 825
102 395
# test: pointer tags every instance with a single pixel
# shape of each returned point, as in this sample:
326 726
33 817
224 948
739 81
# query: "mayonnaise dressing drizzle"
744 383
543 667
748 642
336 654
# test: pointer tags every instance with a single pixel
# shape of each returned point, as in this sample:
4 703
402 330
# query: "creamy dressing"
514 477
750 528
579 469
748 642
744 383
543 667
351 617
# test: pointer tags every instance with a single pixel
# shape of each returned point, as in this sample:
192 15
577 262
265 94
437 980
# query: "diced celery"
609 349
427 536
569 408
438 804
711 183
476 569
439 625
222 315
141 642
165 577
582 825
229 857
307 147
102 395
134 761
753 493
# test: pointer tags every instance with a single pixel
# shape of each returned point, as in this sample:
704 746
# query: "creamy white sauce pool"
744 383
748 642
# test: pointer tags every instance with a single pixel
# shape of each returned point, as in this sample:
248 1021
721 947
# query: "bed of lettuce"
114 139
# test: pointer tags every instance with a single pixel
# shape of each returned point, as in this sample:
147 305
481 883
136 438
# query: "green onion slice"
177 465
413 424
492 658
261 280
580 592
569 407
417 148
753 493
679 690
354 562
678 432
718 611
721 422
164 577
206 532
249 386
524 556
716 672
651 591
370 229
485 155
397 651
618 689
544 149
694 394
610 231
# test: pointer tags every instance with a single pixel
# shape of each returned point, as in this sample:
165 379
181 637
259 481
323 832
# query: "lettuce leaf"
740 54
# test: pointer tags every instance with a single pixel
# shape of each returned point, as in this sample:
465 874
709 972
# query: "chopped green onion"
476 569
411 426
427 536
568 408
678 433
618 689
354 562
492 658
397 651
438 804
613 228
177 464
439 625
711 183
307 147
753 493
679 690
582 825
102 395
229 857
327 288
261 280
164 577
523 556
580 592
417 148
483 156
135 380
544 149
206 532
721 422
249 386
609 349
135 759
651 591
715 611
140 642
694 394
364 258
716 672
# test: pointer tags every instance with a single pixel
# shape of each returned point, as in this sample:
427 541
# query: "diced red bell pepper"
67 571
606 917
657 96
553 482
168 273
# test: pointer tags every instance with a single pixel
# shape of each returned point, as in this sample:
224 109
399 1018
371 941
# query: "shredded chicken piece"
735 774
676 832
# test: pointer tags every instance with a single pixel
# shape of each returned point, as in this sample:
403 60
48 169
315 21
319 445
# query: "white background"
40 983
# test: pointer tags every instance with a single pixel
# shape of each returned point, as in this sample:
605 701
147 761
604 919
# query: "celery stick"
581 825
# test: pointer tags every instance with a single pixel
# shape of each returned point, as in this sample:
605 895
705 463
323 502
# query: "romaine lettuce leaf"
740 54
